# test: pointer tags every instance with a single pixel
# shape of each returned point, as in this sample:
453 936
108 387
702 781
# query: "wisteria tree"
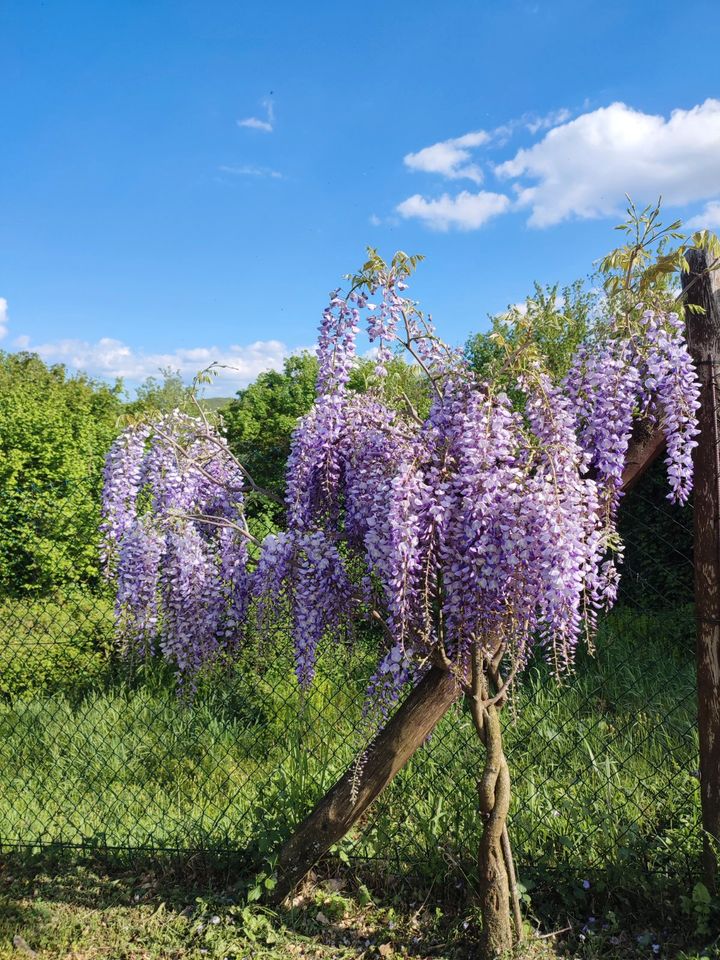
476 537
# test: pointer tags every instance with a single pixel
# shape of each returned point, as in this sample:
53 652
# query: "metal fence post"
701 287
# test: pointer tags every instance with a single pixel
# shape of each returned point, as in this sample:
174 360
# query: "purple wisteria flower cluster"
645 373
482 527
174 542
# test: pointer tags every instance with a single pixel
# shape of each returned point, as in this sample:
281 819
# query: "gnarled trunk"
494 797
496 870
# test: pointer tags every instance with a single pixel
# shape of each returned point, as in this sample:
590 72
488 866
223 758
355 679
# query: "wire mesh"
94 755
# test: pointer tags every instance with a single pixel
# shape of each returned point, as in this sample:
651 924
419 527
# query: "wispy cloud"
450 158
251 171
585 167
256 123
3 317
108 358
552 119
707 219
465 211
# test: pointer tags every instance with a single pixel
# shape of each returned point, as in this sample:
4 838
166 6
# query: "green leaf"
701 894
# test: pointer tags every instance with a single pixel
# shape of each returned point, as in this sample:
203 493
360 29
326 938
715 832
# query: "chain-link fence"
94 755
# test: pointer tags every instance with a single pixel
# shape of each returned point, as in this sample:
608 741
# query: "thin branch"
407 344
376 615
196 463
195 400
220 483
503 688
411 409
262 491
218 522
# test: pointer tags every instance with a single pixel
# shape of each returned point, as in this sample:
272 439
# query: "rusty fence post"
701 287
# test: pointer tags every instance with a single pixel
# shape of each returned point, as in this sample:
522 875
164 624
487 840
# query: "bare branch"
219 522
224 447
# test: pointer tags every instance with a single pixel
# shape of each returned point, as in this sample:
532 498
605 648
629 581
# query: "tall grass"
604 765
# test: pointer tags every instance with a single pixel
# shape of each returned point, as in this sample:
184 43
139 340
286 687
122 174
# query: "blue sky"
145 222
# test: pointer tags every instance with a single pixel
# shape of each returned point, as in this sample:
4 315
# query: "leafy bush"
54 432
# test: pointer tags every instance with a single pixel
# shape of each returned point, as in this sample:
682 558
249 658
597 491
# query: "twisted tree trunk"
494 802
496 871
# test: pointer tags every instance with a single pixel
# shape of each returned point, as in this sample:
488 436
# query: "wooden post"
702 287
391 749
335 814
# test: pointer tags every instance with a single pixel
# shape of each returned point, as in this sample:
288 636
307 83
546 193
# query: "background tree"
260 421
552 322
162 395
55 430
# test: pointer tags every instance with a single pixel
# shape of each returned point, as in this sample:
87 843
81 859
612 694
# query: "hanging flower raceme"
336 342
483 526
122 479
648 373
603 387
301 575
137 601
174 541
670 394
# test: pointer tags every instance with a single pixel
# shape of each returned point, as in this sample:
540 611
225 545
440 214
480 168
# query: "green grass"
604 767
52 909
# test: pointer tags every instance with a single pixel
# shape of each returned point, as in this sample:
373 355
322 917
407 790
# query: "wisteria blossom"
482 527
174 541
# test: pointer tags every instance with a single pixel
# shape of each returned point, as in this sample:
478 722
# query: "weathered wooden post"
702 288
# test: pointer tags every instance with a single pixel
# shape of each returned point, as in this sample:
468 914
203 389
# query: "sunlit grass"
603 765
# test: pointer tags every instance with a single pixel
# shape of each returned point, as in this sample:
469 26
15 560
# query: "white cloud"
3 317
375 220
465 211
585 167
255 123
552 119
708 219
250 171
22 342
450 157
108 358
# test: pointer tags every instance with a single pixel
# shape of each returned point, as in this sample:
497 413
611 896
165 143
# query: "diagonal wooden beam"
338 811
